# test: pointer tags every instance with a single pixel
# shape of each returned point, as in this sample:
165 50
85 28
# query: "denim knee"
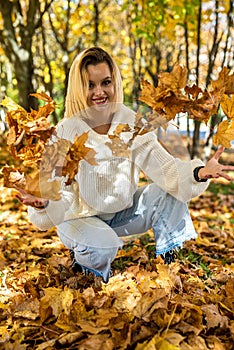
98 259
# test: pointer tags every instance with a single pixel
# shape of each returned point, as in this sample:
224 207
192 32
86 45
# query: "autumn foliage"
173 96
27 141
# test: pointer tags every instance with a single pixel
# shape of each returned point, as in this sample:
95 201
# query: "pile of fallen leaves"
188 305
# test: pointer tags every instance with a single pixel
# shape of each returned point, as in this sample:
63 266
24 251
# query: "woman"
104 202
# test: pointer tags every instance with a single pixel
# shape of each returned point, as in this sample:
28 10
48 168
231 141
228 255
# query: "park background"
146 305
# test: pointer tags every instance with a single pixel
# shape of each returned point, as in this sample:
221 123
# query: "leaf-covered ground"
188 305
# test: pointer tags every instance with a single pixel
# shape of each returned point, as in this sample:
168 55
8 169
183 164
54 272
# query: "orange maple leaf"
33 183
175 80
25 127
224 82
75 154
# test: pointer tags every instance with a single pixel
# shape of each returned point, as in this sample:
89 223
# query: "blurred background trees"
39 39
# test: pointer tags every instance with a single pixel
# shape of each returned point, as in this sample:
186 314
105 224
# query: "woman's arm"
171 174
44 213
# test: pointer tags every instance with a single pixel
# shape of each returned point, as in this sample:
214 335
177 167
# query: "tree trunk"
96 23
196 133
16 38
23 69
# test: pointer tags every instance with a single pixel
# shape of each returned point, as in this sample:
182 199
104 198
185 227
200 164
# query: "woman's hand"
213 169
31 200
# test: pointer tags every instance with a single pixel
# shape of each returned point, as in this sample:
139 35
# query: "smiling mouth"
100 101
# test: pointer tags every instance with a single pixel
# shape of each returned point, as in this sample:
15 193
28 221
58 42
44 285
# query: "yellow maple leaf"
25 128
120 128
224 134
157 343
227 105
54 155
12 105
28 134
57 300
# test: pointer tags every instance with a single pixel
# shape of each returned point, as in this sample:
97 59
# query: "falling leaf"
224 134
12 106
175 80
194 91
173 96
13 177
204 107
224 82
39 185
27 141
43 96
75 154
33 183
117 144
227 105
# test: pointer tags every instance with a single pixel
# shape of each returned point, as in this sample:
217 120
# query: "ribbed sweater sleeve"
171 174
53 214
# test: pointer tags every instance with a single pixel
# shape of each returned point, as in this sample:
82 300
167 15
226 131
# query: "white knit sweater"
108 187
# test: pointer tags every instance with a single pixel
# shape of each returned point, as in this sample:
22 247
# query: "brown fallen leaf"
213 317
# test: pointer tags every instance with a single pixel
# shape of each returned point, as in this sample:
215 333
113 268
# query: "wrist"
198 174
41 204
202 174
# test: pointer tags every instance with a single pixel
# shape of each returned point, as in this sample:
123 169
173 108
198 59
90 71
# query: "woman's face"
101 86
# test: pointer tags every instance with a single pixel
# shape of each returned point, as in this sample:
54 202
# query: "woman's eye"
91 85
107 82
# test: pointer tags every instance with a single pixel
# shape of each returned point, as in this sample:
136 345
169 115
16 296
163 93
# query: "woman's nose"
98 90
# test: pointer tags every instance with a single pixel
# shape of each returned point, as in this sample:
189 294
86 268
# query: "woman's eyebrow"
108 77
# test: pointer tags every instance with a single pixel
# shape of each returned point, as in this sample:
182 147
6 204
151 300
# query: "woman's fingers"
28 199
219 152
228 167
225 176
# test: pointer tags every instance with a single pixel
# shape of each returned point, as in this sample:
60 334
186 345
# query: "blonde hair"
78 82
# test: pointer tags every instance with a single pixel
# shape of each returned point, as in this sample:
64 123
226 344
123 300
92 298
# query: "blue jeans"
96 241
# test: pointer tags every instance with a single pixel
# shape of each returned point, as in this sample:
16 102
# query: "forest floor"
187 305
